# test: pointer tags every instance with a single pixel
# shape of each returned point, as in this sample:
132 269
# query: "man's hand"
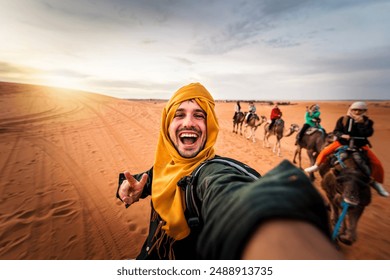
346 136
131 189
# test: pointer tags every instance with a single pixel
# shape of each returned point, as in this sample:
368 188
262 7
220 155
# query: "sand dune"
62 150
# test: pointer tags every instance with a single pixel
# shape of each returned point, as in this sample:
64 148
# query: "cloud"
12 70
377 60
134 47
281 42
183 60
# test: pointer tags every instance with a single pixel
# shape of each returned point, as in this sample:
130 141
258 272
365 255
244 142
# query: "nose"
188 121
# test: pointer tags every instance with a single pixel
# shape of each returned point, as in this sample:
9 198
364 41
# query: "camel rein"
344 204
336 229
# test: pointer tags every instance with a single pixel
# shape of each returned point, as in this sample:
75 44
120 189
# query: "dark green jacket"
232 207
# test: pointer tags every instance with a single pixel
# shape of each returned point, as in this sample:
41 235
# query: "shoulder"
343 119
219 165
368 120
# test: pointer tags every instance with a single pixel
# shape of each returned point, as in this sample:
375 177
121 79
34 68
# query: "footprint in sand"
133 227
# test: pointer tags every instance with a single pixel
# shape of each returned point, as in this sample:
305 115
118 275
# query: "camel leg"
250 135
279 148
276 149
253 132
295 155
266 141
300 158
312 162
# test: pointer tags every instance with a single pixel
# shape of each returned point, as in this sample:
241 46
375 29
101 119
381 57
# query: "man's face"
188 130
358 111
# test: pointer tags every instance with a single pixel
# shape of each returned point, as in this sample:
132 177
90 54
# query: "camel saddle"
312 129
358 155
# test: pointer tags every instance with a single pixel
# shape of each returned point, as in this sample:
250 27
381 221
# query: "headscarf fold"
169 167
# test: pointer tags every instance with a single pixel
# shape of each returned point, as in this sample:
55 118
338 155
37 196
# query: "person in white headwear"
357 126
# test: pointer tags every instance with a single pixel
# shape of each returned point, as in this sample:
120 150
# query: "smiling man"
188 129
235 201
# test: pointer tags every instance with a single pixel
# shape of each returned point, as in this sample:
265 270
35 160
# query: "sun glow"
62 82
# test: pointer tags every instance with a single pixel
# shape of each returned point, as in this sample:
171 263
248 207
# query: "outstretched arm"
281 211
289 239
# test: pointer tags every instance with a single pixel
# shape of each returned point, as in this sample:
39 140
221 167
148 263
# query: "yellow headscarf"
169 167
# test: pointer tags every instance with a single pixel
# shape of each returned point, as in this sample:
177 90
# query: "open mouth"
188 138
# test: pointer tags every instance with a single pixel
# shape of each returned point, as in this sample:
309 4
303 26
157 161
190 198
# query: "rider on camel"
252 111
312 119
356 125
237 109
275 115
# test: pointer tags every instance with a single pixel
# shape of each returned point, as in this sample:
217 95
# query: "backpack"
188 185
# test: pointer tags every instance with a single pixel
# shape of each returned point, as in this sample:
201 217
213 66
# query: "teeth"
188 135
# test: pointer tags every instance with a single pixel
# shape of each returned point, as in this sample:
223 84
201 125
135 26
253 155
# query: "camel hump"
311 130
279 121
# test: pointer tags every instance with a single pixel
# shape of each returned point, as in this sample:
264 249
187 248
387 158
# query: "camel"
346 182
237 122
279 131
314 140
253 124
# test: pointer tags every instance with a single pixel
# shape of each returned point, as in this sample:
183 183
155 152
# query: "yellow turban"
169 167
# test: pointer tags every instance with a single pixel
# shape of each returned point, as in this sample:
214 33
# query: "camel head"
293 128
330 138
261 120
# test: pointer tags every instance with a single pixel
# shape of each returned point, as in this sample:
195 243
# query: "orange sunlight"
62 82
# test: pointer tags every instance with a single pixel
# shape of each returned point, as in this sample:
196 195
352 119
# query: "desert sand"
62 150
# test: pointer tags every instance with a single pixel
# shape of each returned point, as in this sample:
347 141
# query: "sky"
244 49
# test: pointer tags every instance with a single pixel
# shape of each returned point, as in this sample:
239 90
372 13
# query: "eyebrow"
196 110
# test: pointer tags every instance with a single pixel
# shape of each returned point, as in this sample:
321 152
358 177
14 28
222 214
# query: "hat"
359 105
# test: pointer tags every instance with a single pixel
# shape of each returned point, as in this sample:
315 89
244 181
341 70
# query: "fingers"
131 189
128 199
144 179
124 189
130 178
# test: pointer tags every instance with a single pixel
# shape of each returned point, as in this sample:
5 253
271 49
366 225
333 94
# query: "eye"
179 115
200 116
